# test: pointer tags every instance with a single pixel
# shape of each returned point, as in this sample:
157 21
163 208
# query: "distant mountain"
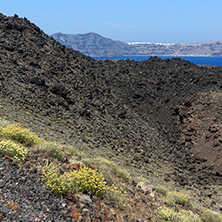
95 45
213 49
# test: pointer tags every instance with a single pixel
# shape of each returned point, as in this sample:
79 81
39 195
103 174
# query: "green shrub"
162 190
122 173
4 123
178 198
107 177
117 195
53 149
72 151
141 179
211 216
54 181
12 149
18 134
167 214
83 180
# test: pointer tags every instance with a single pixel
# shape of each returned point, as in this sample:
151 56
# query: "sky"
159 21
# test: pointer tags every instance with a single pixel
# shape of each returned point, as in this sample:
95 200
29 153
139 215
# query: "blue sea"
214 61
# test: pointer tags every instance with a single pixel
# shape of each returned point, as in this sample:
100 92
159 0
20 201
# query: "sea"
213 61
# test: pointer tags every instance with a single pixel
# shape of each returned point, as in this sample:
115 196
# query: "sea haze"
213 61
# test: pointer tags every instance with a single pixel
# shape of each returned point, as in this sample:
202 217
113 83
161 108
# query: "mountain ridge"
95 45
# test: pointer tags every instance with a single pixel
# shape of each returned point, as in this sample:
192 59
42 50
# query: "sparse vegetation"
99 162
83 180
16 151
162 190
18 134
52 149
178 198
211 216
99 182
167 214
4 123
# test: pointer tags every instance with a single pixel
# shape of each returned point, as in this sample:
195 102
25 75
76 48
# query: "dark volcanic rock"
123 103
32 198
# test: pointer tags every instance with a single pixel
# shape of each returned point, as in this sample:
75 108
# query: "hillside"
160 119
94 45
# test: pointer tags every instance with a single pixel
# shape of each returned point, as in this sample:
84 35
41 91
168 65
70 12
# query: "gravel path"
34 201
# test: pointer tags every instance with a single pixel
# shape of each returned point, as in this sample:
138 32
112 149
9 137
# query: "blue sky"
166 21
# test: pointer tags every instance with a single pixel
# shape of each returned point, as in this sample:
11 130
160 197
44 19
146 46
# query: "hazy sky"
167 21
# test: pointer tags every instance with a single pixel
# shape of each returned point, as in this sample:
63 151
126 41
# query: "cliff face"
94 45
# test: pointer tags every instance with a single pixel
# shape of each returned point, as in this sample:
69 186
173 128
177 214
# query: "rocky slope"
154 112
126 105
92 44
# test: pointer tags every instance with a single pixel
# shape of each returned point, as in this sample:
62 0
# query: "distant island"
95 45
